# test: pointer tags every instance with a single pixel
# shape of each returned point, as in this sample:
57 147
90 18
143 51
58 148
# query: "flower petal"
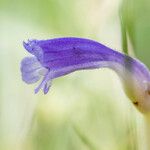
32 70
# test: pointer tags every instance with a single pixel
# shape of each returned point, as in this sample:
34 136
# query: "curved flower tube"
58 57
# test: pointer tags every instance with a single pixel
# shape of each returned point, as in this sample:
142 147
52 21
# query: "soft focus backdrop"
86 110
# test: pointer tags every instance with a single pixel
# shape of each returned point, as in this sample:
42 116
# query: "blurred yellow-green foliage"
136 15
85 110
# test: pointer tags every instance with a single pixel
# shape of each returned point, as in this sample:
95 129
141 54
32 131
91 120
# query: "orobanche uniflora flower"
58 57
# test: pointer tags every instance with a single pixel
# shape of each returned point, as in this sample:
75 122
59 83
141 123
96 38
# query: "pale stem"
147 130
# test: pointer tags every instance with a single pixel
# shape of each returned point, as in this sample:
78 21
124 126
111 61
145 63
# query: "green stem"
124 36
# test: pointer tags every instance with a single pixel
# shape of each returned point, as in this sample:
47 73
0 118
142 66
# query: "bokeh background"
86 110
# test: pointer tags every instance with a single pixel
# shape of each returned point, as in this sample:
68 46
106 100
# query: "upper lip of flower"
32 47
29 45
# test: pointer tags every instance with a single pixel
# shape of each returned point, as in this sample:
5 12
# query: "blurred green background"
86 110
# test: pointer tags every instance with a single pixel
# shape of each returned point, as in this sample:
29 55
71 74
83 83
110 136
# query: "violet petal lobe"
32 70
61 56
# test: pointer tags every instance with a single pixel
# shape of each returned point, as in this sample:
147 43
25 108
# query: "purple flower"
57 57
